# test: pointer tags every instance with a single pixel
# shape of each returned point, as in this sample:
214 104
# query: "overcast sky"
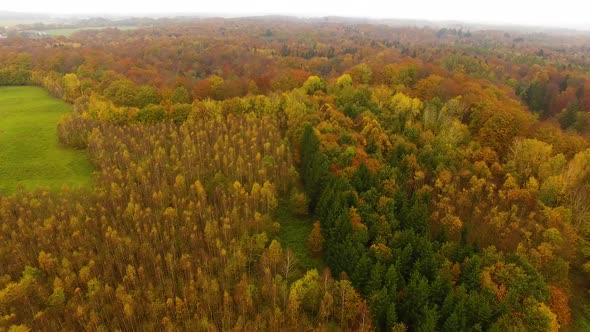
559 13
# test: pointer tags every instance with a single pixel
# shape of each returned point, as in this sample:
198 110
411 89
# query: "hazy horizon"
565 14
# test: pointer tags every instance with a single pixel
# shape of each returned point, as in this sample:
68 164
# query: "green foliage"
314 165
293 234
180 112
298 202
344 81
122 93
180 96
147 95
569 117
361 73
151 114
538 98
355 101
16 71
313 84
468 65
363 179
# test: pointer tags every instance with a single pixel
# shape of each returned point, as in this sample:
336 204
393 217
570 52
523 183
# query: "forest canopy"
441 179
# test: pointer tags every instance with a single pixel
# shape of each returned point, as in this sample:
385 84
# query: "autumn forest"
276 174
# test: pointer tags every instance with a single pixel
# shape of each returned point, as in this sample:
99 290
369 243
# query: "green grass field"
30 154
293 234
69 32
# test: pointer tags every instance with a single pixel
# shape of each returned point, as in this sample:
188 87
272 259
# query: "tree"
313 84
538 98
528 157
299 202
122 92
151 114
147 95
499 131
560 306
344 81
315 240
180 96
361 73
217 87
363 179
71 87
351 309
314 165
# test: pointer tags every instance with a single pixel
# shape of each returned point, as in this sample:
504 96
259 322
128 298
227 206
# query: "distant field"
11 22
68 32
30 154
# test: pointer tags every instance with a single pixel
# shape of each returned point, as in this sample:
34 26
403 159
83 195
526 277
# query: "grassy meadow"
30 154
69 32
293 235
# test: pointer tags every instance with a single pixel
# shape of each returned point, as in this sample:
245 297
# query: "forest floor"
578 302
30 154
293 235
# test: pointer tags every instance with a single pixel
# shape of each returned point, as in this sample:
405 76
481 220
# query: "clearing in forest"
30 153
293 235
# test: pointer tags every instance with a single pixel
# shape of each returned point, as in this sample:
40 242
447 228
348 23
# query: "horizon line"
300 16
